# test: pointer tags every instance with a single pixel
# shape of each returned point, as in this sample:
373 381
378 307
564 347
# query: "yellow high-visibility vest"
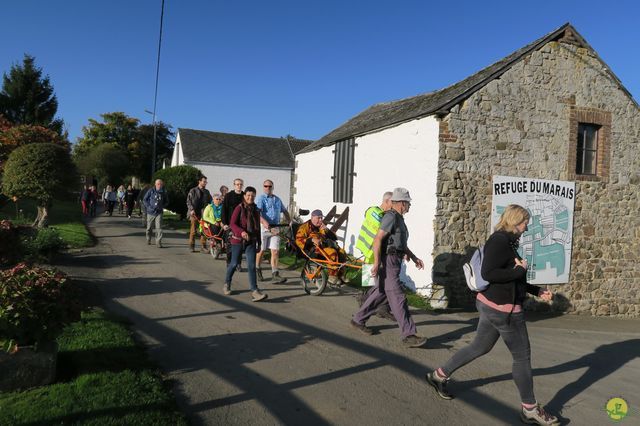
368 231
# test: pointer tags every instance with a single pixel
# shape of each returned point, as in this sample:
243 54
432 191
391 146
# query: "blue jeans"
236 257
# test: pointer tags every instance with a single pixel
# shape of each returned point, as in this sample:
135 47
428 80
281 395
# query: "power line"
155 95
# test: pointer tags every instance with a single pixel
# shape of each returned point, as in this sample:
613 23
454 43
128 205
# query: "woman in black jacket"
501 314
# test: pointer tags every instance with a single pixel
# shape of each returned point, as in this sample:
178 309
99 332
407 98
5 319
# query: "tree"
28 98
41 171
117 129
164 147
108 163
177 182
12 137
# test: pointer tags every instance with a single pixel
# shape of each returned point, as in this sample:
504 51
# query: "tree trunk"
43 217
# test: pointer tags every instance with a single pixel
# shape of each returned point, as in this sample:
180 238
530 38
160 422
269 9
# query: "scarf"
217 211
249 212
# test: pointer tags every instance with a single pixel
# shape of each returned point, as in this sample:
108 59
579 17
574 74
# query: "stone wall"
522 124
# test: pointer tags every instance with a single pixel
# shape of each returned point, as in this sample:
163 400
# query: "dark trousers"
492 325
236 257
388 289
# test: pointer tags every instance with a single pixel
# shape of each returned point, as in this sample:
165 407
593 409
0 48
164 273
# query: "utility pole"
155 96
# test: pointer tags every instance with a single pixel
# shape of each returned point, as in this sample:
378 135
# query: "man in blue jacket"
155 201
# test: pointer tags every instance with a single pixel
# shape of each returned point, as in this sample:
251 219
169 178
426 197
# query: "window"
343 171
587 149
589 153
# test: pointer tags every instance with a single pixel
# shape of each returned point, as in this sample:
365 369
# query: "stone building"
524 116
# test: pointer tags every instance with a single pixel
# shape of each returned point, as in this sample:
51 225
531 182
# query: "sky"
279 67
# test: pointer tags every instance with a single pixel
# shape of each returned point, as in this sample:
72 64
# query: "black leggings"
492 325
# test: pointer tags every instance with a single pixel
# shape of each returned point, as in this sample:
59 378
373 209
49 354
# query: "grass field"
104 378
65 217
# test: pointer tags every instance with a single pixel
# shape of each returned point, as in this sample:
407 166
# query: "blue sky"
281 67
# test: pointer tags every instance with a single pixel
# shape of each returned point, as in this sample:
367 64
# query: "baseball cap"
317 212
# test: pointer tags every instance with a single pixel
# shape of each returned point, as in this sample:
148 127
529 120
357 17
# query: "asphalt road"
295 360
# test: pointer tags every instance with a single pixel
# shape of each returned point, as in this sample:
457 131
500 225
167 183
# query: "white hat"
400 194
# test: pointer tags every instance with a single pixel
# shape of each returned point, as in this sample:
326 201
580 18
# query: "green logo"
617 409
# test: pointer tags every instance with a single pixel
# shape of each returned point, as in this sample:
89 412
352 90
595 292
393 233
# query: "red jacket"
239 224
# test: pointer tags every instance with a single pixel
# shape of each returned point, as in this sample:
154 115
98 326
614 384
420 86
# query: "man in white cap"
389 249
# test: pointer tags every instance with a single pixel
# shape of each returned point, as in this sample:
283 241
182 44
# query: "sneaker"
361 327
259 274
159 244
193 249
537 416
277 279
385 314
439 384
414 341
258 295
226 289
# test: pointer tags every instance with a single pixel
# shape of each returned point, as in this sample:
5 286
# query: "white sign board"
547 243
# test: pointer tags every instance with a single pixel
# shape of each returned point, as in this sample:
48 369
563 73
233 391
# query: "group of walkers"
127 199
250 224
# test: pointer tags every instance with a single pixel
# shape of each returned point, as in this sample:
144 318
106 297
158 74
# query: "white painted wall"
177 158
405 155
218 175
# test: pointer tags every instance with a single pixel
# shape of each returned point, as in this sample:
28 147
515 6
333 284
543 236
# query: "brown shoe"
362 328
226 289
414 341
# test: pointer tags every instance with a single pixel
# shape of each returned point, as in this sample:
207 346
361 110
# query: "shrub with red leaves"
35 304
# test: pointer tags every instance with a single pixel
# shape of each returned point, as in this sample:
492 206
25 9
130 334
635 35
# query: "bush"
178 181
35 306
44 244
10 247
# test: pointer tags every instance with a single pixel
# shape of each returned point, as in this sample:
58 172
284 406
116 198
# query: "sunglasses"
268 186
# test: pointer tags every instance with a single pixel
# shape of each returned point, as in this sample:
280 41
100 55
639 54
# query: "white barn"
222 157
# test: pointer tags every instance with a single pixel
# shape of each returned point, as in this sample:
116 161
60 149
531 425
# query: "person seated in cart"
319 242
212 216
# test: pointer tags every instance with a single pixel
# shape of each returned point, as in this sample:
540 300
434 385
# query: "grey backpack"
472 271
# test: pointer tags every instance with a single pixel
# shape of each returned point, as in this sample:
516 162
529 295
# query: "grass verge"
171 220
65 217
103 378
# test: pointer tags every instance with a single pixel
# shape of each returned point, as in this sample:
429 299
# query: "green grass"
104 378
171 220
65 217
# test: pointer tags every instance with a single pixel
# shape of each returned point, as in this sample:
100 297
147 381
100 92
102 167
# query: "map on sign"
547 242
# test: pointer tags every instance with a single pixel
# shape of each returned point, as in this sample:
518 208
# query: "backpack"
472 272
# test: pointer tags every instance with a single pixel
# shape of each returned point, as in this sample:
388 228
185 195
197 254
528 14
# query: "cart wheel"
314 278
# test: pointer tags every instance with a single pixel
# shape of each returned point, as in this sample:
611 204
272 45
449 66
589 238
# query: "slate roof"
441 101
200 146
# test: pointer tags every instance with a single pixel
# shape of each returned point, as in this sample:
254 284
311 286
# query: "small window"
587 149
343 164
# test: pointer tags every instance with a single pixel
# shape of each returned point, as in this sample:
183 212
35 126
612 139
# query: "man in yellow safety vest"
370 226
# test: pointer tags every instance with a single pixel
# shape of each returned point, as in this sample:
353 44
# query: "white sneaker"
258 295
